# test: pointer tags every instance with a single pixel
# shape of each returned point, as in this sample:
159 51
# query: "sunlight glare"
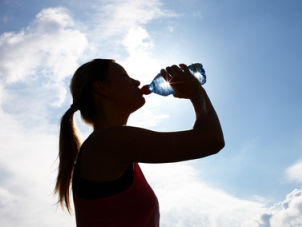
166 84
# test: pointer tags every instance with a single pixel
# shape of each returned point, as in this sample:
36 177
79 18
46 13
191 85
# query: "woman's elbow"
217 146
218 142
220 145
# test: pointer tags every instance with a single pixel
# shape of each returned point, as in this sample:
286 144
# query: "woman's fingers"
185 68
165 75
174 71
182 70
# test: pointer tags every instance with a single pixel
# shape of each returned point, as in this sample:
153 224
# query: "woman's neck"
110 121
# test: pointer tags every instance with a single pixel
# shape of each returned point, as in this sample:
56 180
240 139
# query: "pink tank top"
136 207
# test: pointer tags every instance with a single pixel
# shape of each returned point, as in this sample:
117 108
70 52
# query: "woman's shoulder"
114 134
104 143
97 161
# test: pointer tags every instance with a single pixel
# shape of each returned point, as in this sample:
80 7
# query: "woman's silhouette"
108 186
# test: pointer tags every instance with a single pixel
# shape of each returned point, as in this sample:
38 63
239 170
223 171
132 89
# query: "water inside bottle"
160 86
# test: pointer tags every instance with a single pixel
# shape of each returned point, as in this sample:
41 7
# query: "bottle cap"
145 90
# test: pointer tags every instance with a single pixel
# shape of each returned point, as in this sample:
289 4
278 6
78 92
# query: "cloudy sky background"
251 51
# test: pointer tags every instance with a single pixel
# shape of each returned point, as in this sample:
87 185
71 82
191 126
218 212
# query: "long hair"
81 87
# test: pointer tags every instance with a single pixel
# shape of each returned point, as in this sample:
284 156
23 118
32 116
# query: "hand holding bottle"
183 82
162 87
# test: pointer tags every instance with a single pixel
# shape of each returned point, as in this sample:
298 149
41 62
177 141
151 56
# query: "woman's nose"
136 82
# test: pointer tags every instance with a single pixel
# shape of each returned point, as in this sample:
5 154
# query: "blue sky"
251 51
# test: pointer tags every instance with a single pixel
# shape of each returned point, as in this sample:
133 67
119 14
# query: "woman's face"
123 90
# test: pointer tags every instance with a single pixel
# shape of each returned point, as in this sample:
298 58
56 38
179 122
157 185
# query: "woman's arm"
131 144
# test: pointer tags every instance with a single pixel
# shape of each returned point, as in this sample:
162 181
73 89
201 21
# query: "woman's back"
136 206
126 201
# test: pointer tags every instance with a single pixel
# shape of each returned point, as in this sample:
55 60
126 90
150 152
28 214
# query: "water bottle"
161 87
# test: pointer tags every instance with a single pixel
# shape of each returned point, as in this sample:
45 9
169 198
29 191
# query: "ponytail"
69 146
81 86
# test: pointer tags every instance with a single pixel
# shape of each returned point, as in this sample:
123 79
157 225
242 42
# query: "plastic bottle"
161 87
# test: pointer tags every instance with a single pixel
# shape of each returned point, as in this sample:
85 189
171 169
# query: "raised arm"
131 144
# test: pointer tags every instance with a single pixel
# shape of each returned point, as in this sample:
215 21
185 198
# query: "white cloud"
48 48
294 172
27 174
287 213
139 62
185 201
5 197
110 22
120 15
28 178
147 117
49 43
34 63
135 40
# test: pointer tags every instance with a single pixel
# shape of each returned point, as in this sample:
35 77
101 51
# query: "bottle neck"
145 90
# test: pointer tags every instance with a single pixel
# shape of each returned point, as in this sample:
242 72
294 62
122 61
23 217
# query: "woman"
109 188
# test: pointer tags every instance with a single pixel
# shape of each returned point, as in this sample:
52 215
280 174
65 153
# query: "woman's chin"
139 105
